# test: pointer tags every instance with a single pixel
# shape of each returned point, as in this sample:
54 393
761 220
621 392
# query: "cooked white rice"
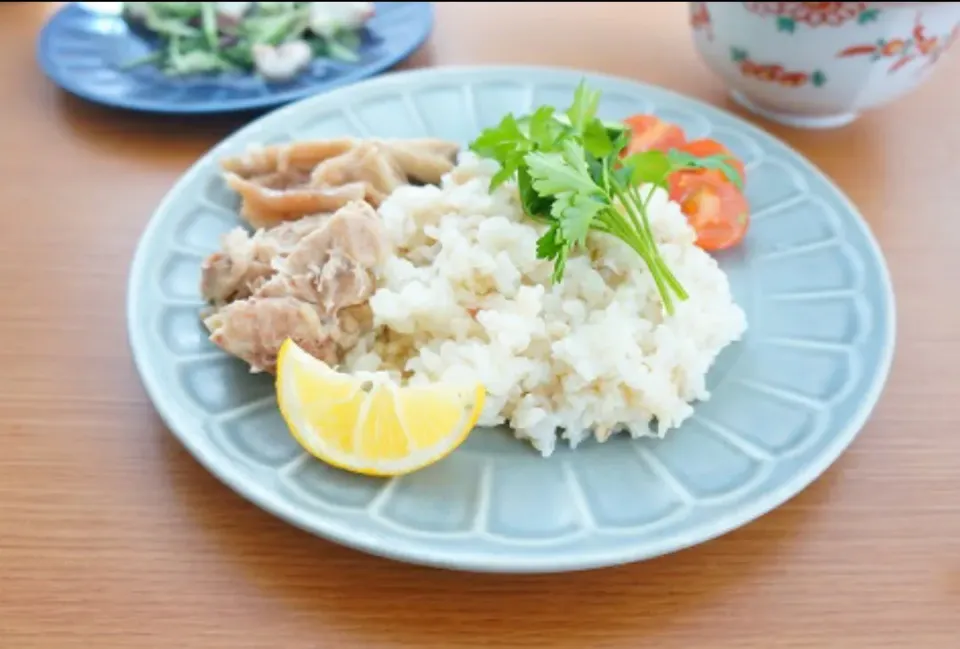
465 297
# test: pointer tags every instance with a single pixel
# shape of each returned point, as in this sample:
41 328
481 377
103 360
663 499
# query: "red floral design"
775 73
700 19
813 14
903 51
945 44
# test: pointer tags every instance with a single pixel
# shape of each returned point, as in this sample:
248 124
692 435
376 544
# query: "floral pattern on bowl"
789 15
821 64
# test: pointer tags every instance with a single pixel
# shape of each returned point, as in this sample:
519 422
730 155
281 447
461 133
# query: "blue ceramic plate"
86 47
787 400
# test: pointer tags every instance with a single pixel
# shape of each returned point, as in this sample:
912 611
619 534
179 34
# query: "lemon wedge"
368 424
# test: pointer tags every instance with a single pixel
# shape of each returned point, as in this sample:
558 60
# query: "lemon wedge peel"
365 423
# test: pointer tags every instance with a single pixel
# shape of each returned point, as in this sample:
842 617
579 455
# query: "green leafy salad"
277 40
572 176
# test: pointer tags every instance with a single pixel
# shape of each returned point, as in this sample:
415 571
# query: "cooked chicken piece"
264 206
424 160
302 287
313 280
254 329
274 182
231 272
333 265
344 283
354 231
288 234
339 283
368 163
286 181
303 156
244 261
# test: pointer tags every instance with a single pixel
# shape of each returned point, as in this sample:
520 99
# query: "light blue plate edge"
217 107
174 417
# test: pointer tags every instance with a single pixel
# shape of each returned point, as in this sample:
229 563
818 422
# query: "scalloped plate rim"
334 531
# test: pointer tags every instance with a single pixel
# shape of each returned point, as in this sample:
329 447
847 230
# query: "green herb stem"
646 245
637 209
572 178
208 17
637 242
153 57
644 203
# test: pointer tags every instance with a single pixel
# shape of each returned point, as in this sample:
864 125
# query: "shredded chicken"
244 263
308 271
255 328
286 182
309 280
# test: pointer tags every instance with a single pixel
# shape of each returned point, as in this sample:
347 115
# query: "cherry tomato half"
650 132
706 147
714 207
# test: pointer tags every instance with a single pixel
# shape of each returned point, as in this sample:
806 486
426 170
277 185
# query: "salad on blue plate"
276 40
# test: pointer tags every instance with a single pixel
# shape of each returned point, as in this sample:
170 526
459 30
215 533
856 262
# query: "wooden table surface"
112 536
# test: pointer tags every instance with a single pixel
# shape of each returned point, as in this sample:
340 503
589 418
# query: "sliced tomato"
715 208
705 147
649 132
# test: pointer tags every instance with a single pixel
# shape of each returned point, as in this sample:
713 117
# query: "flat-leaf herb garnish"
571 177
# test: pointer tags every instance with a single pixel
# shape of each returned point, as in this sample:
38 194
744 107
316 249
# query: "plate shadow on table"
337 586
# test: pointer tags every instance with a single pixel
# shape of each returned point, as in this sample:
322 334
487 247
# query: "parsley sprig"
570 177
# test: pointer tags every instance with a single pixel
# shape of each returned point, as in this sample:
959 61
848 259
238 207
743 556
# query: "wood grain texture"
112 537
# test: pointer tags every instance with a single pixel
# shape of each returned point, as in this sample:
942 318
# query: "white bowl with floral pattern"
821 64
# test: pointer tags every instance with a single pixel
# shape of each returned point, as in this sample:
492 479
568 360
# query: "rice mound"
465 298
